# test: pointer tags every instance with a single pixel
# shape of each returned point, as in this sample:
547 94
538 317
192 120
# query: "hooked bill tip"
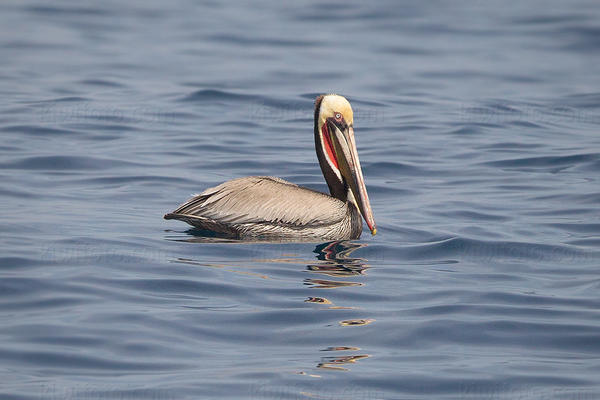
374 231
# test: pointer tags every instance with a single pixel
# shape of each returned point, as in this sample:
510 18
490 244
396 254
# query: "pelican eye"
338 116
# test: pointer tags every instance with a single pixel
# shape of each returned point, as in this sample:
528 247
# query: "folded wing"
262 200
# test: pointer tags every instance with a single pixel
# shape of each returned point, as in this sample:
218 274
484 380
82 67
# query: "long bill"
349 164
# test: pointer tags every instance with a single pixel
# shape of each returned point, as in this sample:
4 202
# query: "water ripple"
54 163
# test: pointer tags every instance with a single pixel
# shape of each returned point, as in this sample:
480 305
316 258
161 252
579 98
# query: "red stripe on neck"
328 145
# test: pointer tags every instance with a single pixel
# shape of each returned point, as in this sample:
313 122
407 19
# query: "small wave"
503 332
393 169
78 361
18 194
101 82
582 100
246 40
158 287
37 130
551 20
580 38
471 215
205 95
585 228
471 129
460 247
509 146
545 162
53 163
48 10
524 124
14 263
67 99
120 180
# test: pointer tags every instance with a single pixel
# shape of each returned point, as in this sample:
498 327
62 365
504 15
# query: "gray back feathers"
264 205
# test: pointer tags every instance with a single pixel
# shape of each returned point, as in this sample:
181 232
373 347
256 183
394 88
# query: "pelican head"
338 157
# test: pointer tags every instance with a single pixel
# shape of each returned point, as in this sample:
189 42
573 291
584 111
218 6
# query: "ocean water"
478 129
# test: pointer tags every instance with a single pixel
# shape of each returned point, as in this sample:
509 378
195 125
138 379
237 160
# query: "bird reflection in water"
337 362
336 261
336 268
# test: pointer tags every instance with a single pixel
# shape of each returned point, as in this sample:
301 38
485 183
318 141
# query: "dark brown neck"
337 188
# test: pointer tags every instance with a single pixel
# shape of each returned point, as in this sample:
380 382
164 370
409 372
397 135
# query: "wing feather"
264 199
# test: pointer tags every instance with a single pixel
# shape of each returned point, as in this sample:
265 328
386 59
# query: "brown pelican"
271 208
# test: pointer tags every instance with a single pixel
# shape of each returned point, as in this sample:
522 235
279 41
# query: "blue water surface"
478 129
